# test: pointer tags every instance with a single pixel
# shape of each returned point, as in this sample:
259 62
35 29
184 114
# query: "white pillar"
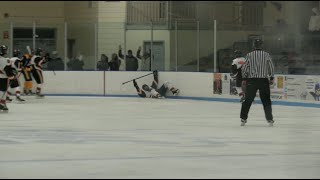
95 45
65 45
151 53
34 36
215 46
176 47
11 40
198 45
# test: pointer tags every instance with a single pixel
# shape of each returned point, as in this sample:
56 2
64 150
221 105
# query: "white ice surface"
99 137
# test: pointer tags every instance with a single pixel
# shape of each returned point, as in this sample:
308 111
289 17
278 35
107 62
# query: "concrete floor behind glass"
109 137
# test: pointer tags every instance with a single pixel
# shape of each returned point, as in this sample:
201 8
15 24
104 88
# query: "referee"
258 72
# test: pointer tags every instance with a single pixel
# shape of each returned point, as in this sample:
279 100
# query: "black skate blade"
20 102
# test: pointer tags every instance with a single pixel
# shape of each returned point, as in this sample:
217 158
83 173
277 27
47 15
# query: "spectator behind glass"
145 60
114 63
56 62
103 64
76 64
131 61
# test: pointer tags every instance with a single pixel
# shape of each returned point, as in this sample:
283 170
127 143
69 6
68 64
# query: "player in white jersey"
17 66
153 91
236 74
6 74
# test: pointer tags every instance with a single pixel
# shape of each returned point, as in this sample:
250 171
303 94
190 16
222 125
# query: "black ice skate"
19 99
38 95
270 122
176 92
8 99
243 122
3 108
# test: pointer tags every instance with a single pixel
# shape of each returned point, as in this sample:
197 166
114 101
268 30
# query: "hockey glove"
134 82
155 72
271 81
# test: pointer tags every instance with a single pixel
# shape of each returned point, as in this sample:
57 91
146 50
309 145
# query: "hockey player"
236 73
6 74
153 91
17 66
27 89
36 62
316 93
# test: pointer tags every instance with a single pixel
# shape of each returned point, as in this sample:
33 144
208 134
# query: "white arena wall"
193 85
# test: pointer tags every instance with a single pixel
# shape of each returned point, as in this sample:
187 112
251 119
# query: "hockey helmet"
3 50
146 87
16 53
38 51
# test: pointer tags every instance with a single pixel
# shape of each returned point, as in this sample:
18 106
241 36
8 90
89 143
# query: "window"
252 13
162 9
45 39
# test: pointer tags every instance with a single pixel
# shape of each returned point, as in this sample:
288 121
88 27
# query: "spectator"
76 64
103 64
295 64
115 62
69 63
55 63
145 60
131 61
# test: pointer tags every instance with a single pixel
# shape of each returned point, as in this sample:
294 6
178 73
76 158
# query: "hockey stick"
137 78
47 59
54 72
28 49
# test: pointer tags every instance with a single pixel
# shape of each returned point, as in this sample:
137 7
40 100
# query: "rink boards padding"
287 88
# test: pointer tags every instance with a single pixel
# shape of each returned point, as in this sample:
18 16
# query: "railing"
144 12
240 16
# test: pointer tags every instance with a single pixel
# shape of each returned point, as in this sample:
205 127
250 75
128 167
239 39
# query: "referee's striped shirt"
258 65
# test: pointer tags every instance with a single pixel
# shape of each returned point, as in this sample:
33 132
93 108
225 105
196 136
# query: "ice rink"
110 137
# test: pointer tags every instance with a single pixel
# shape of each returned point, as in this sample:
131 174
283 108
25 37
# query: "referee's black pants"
254 84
